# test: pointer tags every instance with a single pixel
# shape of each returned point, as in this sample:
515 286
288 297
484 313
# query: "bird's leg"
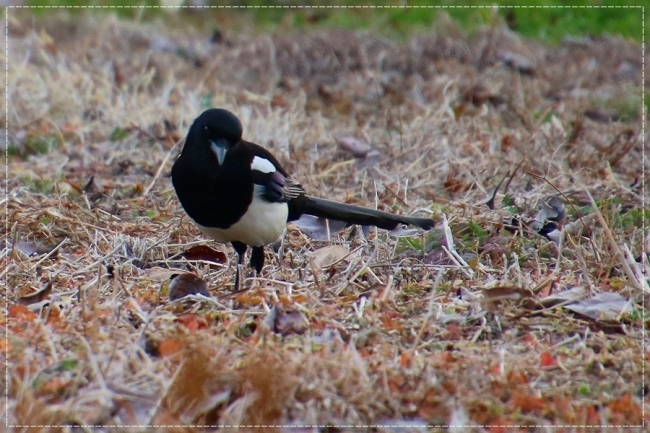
257 259
281 250
240 249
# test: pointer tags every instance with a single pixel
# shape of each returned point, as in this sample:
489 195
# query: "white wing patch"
263 165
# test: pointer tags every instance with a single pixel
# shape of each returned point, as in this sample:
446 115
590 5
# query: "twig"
420 333
160 168
93 361
35 265
359 273
333 168
505 189
612 243
315 270
491 200
582 262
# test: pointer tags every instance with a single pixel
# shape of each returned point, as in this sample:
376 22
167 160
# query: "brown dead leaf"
53 387
279 101
38 296
192 322
22 313
507 142
327 256
170 347
459 110
454 184
289 320
526 402
477 95
205 253
627 410
251 298
359 148
200 386
602 306
496 247
601 115
495 295
157 273
187 284
29 248
547 359
573 294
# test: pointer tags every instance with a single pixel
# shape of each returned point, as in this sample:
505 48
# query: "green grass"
118 134
33 146
620 216
632 218
543 22
42 186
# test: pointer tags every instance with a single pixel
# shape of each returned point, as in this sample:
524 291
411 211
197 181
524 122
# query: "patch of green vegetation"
508 200
148 213
635 315
246 330
68 365
553 24
164 289
123 8
627 109
118 134
413 289
584 390
407 243
206 101
581 211
545 251
539 19
620 215
46 375
470 236
543 115
39 185
33 146
633 218
476 230
432 241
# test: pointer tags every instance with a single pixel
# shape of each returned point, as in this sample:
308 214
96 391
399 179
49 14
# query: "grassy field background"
492 321
539 19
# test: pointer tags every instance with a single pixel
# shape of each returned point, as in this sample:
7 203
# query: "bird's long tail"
352 214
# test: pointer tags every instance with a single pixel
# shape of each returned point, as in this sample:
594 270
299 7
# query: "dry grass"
401 332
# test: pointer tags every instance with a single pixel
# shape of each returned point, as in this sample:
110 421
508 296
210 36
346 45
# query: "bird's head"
218 129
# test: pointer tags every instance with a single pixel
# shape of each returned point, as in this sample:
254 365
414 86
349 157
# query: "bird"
236 191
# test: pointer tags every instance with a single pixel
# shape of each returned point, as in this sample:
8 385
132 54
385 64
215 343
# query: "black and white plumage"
236 191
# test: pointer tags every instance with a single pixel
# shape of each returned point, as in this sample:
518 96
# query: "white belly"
262 224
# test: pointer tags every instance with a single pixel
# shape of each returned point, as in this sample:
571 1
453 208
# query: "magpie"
236 191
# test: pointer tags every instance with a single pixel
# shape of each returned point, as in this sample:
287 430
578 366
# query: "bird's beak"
219 147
